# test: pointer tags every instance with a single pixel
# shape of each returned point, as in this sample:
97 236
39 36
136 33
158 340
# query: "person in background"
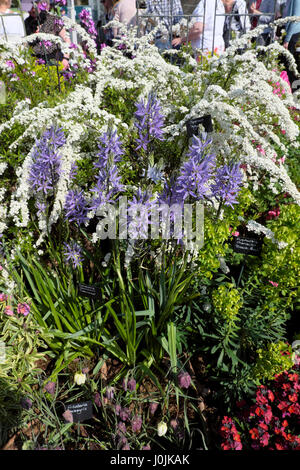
106 35
239 23
266 11
124 11
50 24
31 22
5 7
292 33
169 13
207 31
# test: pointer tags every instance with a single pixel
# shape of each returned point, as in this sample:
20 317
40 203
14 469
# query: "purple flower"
155 174
97 399
73 171
87 23
76 207
72 254
149 121
41 206
42 6
108 180
110 147
40 62
26 403
46 162
122 427
126 447
196 172
136 423
50 387
61 3
124 414
184 380
129 385
73 46
227 184
23 309
10 64
118 409
46 44
147 447
58 21
139 213
110 392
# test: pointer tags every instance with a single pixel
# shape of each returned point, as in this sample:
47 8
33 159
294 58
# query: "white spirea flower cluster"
235 90
257 228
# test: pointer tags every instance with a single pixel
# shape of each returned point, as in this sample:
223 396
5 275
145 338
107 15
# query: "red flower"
254 433
262 425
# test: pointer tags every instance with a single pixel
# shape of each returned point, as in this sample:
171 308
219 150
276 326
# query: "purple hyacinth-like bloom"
72 254
76 207
228 180
46 161
139 215
110 147
87 23
108 180
149 121
196 172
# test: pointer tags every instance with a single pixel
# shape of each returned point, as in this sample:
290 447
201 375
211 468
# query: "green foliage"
276 358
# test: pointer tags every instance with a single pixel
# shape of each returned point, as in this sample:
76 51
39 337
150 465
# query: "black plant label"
247 246
81 411
192 126
89 291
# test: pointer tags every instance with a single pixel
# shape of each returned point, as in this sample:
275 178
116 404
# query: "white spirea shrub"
236 90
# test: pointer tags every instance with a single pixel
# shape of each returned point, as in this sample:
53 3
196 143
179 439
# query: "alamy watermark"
151 221
2 93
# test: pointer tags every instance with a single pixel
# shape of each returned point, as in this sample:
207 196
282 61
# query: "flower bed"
193 318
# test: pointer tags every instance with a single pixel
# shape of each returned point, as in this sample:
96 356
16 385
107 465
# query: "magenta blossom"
184 380
24 309
10 64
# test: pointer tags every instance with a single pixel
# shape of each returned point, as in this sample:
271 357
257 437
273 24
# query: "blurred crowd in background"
213 23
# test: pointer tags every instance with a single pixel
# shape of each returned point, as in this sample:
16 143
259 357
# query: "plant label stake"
81 411
246 246
192 126
89 291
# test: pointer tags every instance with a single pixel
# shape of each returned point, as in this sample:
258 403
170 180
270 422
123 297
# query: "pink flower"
10 64
153 407
24 309
184 380
50 388
8 311
3 297
275 284
272 214
261 150
285 78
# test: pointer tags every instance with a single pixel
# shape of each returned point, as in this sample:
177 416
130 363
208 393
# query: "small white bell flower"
79 378
162 429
